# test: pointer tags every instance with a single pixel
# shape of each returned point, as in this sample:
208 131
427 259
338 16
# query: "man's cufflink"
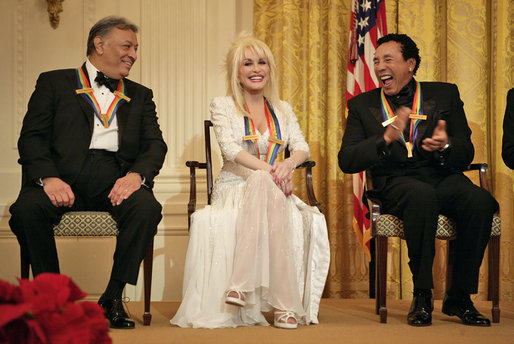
39 182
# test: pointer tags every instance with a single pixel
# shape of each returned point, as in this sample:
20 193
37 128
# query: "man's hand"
394 129
124 187
438 140
59 192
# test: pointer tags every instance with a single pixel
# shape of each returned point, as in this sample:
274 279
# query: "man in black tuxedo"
90 141
508 131
415 140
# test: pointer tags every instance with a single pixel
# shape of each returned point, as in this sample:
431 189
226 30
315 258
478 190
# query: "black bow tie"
405 97
111 84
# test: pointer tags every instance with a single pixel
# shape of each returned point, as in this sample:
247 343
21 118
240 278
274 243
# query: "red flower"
9 293
45 311
99 326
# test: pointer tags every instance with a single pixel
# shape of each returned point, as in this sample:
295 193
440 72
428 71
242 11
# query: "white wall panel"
182 47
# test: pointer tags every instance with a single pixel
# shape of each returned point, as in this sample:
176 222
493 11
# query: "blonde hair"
235 57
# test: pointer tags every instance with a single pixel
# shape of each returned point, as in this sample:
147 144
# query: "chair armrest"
308 165
191 206
482 173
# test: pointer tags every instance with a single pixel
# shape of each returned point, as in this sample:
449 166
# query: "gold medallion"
409 149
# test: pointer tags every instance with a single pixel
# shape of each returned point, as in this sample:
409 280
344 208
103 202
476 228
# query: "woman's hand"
286 185
282 170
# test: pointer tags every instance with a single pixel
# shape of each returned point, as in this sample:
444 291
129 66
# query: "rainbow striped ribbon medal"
275 136
87 92
416 117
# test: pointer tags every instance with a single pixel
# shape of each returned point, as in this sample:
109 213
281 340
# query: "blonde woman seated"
257 247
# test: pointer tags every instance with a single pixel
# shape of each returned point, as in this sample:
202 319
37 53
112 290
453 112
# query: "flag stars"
361 40
363 22
366 6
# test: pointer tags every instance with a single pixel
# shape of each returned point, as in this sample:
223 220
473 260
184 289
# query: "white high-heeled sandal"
235 301
281 319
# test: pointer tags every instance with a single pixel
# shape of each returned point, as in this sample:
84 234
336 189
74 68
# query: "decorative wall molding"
19 75
173 65
89 19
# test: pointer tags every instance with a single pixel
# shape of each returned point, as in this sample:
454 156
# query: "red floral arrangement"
44 310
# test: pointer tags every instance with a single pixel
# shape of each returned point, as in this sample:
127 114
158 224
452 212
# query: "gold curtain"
467 42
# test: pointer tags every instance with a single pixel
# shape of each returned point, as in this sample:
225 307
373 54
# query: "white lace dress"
281 242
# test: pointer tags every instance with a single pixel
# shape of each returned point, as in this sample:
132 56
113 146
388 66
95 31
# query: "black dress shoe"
465 310
420 313
114 312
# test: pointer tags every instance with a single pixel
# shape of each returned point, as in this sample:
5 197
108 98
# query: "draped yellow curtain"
467 42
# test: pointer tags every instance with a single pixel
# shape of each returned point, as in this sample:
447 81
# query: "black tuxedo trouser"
419 202
33 217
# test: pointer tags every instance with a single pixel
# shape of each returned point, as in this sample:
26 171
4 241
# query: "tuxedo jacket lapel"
86 107
377 114
375 108
123 111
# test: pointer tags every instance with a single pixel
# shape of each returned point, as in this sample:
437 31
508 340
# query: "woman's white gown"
246 200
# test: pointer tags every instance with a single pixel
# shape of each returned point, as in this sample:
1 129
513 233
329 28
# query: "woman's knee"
260 177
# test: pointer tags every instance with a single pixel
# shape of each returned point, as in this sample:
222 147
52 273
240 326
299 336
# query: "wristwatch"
445 147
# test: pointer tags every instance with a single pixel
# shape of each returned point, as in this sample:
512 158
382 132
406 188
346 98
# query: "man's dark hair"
409 48
104 26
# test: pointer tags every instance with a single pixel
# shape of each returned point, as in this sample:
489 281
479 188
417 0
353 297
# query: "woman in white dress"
257 247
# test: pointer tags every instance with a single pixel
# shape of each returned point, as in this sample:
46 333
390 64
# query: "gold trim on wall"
54 8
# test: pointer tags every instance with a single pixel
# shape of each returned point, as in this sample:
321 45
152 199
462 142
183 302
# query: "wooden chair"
96 224
384 226
207 165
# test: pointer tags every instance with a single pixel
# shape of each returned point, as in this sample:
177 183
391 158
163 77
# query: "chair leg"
147 267
25 265
450 261
381 266
377 280
494 277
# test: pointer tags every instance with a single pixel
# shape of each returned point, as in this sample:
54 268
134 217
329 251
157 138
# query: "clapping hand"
438 140
394 130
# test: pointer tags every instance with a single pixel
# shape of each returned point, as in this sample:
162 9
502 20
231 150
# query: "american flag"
368 24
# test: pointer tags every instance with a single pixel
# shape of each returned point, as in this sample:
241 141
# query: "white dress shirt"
103 138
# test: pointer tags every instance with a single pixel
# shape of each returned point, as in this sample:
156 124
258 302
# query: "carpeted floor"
341 321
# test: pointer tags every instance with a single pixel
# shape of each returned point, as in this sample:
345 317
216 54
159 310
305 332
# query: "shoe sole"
285 325
122 328
420 325
455 314
235 301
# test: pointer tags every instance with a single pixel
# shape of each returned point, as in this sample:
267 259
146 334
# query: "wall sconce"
54 8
